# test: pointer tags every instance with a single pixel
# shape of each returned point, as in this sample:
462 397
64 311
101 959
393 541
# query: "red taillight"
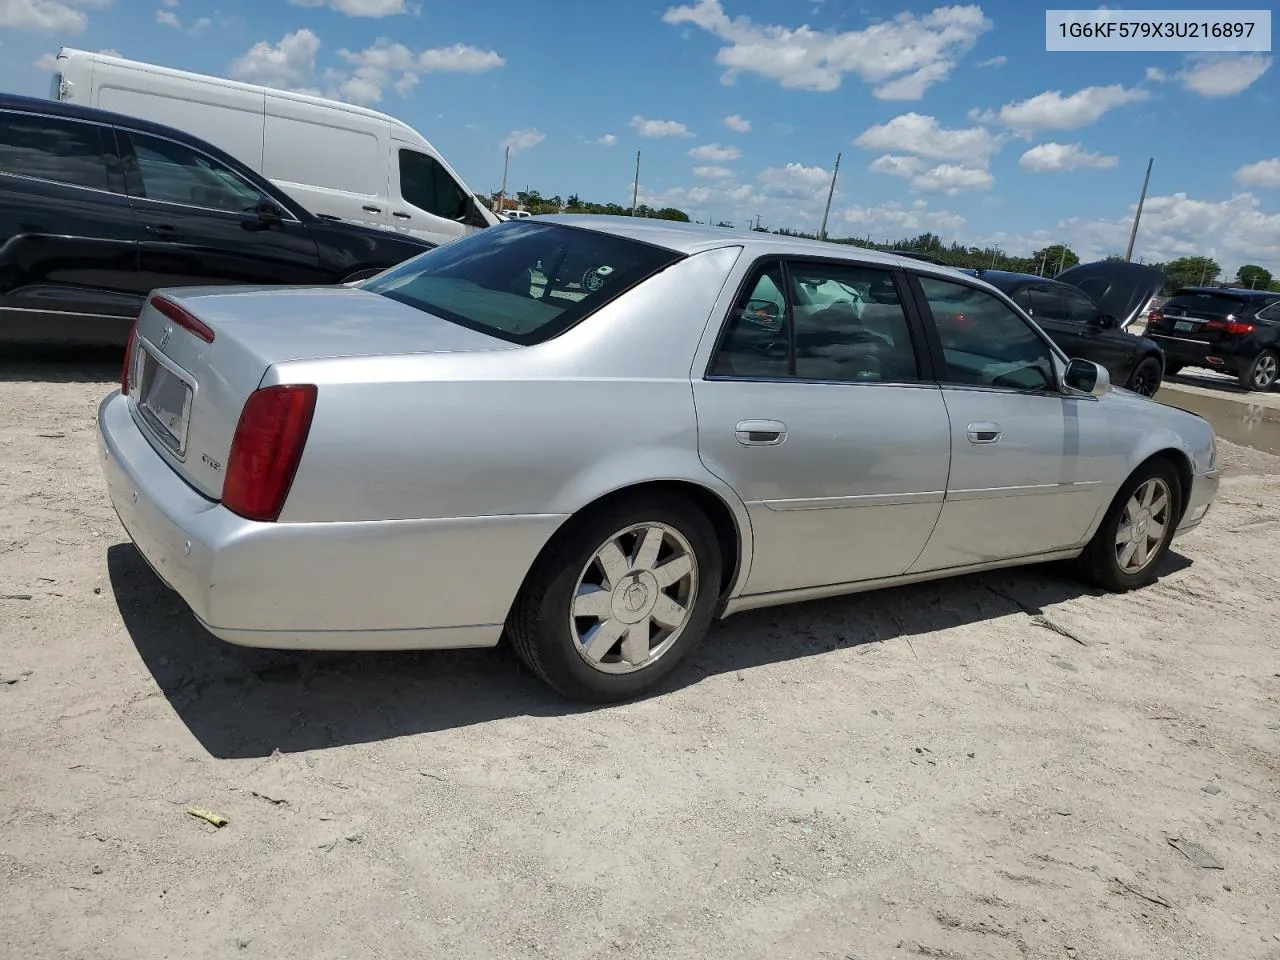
183 319
127 370
1155 316
1236 328
266 449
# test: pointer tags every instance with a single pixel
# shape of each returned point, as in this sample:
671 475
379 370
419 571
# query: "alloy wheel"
1143 524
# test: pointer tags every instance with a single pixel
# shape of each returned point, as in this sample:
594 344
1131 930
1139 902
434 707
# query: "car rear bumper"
1224 355
371 585
1204 488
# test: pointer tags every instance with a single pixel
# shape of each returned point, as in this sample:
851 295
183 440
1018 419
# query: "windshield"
1204 304
522 281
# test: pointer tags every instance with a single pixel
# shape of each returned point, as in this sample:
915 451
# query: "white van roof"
400 129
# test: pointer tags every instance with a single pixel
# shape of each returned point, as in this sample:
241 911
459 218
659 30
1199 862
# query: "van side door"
426 199
68 238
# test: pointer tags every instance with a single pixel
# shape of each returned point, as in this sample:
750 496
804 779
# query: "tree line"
1046 262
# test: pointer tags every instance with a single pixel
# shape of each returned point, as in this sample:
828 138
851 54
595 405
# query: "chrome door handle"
984 432
372 209
760 433
398 214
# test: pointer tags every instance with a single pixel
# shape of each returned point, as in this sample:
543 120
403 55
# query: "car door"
1028 463
426 199
68 238
204 223
1100 337
816 411
1049 311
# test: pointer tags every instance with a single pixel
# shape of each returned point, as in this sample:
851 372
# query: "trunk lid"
1199 315
1118 287
186 394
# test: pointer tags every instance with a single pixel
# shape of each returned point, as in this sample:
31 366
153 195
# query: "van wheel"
620 597
1134 536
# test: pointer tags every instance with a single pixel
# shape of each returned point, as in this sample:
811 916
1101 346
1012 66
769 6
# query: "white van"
332 157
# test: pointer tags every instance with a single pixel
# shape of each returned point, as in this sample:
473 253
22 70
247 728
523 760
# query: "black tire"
1261 373
1172 369
539 625
1100 562
1146 376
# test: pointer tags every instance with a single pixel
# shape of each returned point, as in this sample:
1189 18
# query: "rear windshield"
1206 304
522 281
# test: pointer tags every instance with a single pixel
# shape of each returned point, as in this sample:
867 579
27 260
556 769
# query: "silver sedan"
595 435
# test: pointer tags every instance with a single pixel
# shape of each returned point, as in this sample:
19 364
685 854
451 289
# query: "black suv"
1085 312
1229 330
98 209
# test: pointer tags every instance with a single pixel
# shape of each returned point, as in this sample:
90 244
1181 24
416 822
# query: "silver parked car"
597 434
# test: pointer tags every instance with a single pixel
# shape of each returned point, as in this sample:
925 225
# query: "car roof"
76 111
1007 279
688 238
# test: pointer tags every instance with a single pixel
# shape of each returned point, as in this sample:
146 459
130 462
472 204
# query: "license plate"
1184 325
164 399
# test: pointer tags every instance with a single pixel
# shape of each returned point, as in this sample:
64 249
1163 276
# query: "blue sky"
949 118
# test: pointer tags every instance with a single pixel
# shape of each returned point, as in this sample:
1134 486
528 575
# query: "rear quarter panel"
534 430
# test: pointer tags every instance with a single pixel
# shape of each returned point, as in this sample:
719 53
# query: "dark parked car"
1232 331
1085 312
98 209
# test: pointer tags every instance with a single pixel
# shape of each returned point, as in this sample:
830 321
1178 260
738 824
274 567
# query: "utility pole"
1062 259
1043 258
1133 234
822 233
635 187
502 194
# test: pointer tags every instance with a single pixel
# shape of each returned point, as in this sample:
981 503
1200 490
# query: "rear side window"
428 186
522 281
53 148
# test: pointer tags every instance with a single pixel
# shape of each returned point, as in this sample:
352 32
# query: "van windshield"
522 281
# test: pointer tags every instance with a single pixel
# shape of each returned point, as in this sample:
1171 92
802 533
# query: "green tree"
1254 277
1189 272
1053 259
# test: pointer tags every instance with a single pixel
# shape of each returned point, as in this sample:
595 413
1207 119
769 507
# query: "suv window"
841 323
984 342
1079 307
523 281
1047 304
428 186
1270 312
1203 305
55 149
174 173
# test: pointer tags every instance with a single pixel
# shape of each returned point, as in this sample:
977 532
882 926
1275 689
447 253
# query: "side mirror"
269 213
1087 378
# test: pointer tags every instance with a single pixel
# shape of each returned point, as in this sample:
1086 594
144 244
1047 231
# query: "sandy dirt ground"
993 767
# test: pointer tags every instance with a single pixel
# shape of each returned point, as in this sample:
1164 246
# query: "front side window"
522 281
1046 304
428 186
176 174
52 148
838 322
1079 307
984 342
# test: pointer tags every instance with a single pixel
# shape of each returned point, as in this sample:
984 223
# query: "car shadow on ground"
241 702
21 363
1206 381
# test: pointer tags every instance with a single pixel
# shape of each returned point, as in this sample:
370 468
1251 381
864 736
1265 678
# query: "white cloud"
169 3
608 140
1233 232
1223 75
796 181
359 8
896 165
519 140
1264 173
737 123
1052 111
1060 157
1156 75
951 179
60 16
659 128
922 135
46 61
999 61
200 25
167 18
290 64
715 153
893 220
903 57
713 173
376 65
